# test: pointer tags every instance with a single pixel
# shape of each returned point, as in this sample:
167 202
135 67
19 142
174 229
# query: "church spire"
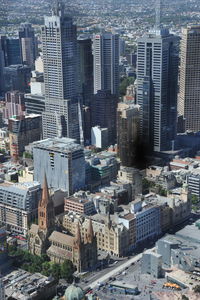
78 235
45 209
90 234
45 193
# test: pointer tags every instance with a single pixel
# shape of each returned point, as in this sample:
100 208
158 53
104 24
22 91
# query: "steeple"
46 209
90 234
78 236
45 193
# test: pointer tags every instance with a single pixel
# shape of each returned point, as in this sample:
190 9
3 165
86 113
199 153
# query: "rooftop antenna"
158 13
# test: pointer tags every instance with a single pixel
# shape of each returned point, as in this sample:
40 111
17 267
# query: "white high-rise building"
60 59
106 62
189 96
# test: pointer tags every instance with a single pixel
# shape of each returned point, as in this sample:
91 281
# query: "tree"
184 297
67 270
194 199
124 84
197 289
46 268
55 271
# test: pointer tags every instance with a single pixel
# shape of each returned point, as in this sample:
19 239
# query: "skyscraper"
157 69
128 121
86 68
106 62
10 48
61 117
28 44
189 96
104 108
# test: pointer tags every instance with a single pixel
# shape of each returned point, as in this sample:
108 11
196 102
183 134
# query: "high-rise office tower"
28 44
128 123
104 108
61 116
189 95
2 63
157 74
86 68
106 62
10 48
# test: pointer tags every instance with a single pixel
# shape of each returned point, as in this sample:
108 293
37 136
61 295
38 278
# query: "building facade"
61 116
104 109
14 104
59 246
62 159
18 205
23 130
111 237
157 75
106 62
189 94
28 44
128 124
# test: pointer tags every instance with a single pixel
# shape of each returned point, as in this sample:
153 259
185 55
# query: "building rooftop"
62 237
29 116
21 284
58 145
23 186
190 233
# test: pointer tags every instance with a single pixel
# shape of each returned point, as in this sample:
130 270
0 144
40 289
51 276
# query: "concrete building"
157 75
189 96
79 204
147 221
18 205
39 65
28 44
100 169
131 177
14 104
62 159
151 263
129 221
35 286
35 100
128 124
193 181
99 137
23 130
61 116
104 109
106 62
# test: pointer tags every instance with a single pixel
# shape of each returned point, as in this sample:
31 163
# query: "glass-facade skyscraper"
157 75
